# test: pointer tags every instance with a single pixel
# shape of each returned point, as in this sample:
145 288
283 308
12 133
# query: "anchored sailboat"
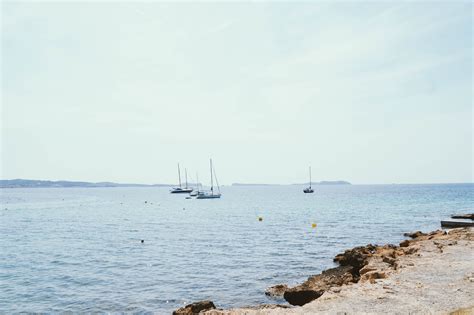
210 194
180 189
196 191
309 190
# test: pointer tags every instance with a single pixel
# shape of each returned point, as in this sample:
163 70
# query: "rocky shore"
429 273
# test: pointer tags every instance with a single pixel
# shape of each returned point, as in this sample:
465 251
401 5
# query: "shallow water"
78 249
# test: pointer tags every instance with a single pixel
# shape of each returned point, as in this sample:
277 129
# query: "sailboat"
309 190
210 194
180 189
196 192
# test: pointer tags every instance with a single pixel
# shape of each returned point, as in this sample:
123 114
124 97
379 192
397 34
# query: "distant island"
244 184
327 182
28 183
31 183
324 182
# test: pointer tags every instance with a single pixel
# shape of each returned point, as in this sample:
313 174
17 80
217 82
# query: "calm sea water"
79 249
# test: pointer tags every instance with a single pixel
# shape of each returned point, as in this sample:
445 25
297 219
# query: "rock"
387 252
316 285
363 263
410 250
437 232
353 263
405 243
389 260
195 308
301 297
269 307
255 309
335 289
371 276
414 234
276 290
469 277
356 257
246 309
366 269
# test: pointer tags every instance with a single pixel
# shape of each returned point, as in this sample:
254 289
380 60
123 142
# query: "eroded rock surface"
414 234
362 263
365 265
263 308
276 290
195 308
316 285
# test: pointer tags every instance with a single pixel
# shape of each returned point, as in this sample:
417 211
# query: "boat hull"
308 191
205 196
181 191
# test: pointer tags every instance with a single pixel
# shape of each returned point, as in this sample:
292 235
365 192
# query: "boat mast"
212 183
179 176
310 177
197 182
186 175
217 182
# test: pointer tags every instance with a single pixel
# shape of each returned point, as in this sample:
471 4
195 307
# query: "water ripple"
79 250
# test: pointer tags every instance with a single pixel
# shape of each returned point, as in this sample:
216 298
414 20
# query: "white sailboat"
309 190
211 194
180 189
196 191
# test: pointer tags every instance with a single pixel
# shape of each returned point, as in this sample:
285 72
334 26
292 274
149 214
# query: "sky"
368 92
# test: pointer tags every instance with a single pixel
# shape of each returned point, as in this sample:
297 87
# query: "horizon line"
237 183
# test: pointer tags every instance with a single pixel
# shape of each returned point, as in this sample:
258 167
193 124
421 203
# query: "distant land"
324 182
31 183
244 184
28 183
328 182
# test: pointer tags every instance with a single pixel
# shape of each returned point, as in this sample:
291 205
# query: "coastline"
430 273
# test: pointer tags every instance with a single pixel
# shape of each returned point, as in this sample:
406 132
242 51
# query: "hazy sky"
365 92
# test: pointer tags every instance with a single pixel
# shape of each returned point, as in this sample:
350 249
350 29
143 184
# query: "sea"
79 249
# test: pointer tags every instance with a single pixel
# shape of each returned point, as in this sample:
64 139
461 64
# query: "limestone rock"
410 250
414 234
276 290
389 260
195 308
356 257
405 243
372 276
316 285
366 269
301 297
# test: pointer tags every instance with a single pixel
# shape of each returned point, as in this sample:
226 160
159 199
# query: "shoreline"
429 273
